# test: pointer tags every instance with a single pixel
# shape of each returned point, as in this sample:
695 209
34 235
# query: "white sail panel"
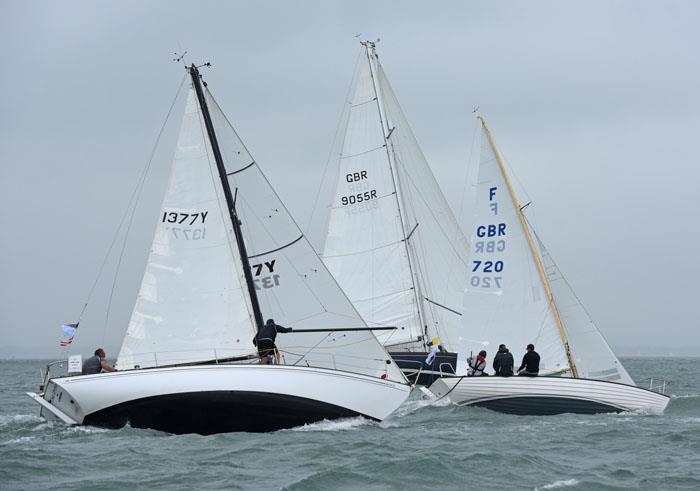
438 246
293 285
364 248
592 354
504 299
191 305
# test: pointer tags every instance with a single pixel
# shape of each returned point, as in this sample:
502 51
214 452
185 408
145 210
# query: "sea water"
422 446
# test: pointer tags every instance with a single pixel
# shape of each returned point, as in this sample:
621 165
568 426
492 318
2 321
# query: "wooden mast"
533 250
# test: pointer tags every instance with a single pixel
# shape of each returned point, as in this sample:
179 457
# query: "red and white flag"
68 334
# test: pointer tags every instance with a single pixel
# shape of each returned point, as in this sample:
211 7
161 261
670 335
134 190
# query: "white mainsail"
505 300
392 243
193 304
593 357
523 297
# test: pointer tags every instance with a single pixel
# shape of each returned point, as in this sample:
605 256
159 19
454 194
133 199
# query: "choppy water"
420 447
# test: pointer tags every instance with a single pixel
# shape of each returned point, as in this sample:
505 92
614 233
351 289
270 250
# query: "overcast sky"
595 106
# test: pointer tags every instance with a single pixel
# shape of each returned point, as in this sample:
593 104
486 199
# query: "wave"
22 439
345 424
560 484
13 419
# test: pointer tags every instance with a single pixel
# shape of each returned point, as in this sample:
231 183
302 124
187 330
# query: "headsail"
594 358
505 300
293 285
393 243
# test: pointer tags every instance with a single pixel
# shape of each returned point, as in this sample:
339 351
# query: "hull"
219 398
414 368
548 395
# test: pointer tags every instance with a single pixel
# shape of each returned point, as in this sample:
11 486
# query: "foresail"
364 248
293 285
592 354
437 244
191 305
504 300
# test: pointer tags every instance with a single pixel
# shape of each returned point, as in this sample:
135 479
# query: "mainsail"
393 243
193 304
505 300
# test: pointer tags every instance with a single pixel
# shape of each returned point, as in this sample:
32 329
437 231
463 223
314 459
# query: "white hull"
548 395
219 398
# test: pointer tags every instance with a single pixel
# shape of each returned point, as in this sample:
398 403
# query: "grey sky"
594 104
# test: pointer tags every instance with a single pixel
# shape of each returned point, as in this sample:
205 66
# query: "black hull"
413 366
208 413
546 406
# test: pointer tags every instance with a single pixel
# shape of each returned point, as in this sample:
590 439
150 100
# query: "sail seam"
365 251
343 157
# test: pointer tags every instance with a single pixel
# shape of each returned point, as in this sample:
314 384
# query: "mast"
386 132
230 202
533 250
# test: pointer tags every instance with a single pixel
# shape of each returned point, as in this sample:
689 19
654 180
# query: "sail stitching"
365 251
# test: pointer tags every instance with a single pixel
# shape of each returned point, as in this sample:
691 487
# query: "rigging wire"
131 207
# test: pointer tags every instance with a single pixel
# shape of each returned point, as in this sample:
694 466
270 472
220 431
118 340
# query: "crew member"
530 366
503 362
477 365
97 363
265 341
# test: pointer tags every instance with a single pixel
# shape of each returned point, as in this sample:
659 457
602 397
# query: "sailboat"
516 295
392 242
225 252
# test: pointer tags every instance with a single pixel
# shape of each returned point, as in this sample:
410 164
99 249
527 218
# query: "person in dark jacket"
97 363
530 366
503 362
265 341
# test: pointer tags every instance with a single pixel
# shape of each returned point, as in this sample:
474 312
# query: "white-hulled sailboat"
392 242
516 295
225 252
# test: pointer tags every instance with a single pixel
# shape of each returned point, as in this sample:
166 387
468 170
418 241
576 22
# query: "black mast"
194 73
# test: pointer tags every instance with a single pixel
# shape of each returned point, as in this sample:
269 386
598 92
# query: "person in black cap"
503 362
265 341
530 366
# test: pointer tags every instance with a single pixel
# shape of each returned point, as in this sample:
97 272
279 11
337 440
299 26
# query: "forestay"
191 305
505 301
293 285
593 357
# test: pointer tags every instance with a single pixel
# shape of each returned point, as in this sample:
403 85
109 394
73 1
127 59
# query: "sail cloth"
592 354
393 243
365 247
293 285
436 242
504 300
191 305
